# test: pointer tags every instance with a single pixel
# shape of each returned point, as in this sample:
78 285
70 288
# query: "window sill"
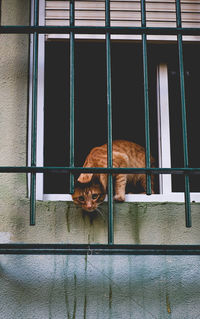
173 197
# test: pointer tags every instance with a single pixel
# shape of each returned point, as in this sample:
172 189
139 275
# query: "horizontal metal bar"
97 249
99 30
121 170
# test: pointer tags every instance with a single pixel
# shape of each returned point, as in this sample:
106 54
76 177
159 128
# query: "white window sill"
173 197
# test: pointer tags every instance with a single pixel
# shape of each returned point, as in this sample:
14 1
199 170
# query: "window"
127 92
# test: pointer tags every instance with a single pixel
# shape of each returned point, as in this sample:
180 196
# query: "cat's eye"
94 196
81 198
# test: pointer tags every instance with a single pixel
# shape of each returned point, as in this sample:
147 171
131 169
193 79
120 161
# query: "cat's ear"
85 178
103 180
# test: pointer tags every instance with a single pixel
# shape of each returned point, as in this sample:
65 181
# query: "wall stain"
55 209
48 207
83 214
75 300
110 296
67 219
91 216
74 311
91 229
52 289
65 290
86 256
85 307
136 225
168 304
67 304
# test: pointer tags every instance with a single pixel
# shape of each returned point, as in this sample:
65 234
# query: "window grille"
144 29
124 14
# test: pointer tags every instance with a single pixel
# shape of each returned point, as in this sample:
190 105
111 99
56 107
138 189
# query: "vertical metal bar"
34 118
109 123
184 121
146 97
71 96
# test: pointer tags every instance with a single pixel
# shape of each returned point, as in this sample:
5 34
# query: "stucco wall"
77 286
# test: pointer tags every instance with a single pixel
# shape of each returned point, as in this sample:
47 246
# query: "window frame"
164 152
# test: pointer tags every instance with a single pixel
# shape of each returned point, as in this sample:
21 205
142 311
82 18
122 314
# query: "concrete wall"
77 286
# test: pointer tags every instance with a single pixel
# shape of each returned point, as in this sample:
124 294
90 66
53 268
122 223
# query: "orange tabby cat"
91 188
89 195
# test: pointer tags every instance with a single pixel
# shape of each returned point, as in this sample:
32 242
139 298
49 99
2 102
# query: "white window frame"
165 182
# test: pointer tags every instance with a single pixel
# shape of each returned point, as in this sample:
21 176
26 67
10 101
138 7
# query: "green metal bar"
100 30
184 121
113 170
34 119
71 190
98 249
146 98
109 123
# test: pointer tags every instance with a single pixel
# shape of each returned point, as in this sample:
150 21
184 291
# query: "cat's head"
88 196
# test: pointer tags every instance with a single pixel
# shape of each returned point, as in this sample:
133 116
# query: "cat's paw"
119 198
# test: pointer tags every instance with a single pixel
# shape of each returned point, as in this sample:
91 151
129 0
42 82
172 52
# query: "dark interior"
127 103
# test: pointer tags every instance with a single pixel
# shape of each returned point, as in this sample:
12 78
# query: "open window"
127 93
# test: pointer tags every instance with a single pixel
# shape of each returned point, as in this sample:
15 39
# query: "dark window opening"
192 71
91 103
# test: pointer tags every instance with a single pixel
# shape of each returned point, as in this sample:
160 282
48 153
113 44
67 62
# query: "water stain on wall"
85 308
67 218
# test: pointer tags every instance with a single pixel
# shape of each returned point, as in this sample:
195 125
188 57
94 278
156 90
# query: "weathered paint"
89 287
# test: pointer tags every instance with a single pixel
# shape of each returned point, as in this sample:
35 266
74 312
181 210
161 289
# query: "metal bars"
113 170
33 169
184 121
34 118
109 124
71 95
146 97
98 249
98 30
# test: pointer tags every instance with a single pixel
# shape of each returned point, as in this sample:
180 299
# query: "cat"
90 189
90 195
